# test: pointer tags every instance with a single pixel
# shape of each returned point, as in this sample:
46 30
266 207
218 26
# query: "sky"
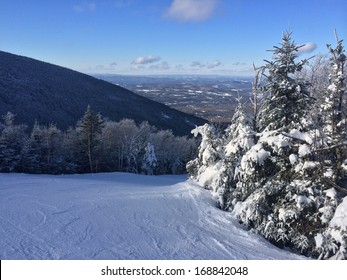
163 37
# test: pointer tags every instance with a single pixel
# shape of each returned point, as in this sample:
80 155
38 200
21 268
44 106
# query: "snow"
340 217
209 175
331 193
119 216
293 159
332 88
256 154
305 136
304 150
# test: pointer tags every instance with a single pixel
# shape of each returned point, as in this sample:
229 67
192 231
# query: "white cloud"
307 48
214 64
191 10
141 60
85 7
197 64
113 64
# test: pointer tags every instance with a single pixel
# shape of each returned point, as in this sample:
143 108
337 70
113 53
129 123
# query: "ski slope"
119 216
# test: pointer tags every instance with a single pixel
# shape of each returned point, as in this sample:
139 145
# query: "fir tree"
206 166
276 193
238 140
287 100
333 110
332 242
89 130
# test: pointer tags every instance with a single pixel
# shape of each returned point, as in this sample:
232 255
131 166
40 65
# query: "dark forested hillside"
39 91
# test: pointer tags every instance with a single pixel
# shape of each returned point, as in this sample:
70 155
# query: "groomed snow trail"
119 216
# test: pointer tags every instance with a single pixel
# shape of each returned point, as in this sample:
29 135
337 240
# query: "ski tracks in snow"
119 216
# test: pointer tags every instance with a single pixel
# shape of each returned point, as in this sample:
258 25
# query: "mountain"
47 93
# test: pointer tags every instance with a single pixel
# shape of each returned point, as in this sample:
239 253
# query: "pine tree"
276 193
238 140
287 100
89 130
332 241
205 168
333 109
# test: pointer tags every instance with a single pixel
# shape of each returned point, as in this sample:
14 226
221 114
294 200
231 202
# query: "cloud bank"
191 10
142 60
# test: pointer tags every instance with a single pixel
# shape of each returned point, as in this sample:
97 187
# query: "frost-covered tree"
333 110
286 184
14 144
277 193
331 243
206 167
149 162
239 138
89 131
45 150
287 100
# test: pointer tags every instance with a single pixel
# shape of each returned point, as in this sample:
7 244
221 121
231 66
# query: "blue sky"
165 36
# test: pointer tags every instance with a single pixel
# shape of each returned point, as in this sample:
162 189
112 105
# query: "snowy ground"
119 216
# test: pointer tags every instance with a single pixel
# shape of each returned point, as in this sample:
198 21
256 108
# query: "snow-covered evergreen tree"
206 167
278 194
14 144
286 184
333 111
331 243
45 155
239 138
286 101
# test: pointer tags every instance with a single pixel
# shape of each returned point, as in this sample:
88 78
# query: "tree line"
283 170
93 145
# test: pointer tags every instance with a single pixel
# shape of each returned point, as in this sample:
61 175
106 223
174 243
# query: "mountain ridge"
39 91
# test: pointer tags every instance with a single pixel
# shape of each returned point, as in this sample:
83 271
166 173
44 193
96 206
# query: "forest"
93 145
282 170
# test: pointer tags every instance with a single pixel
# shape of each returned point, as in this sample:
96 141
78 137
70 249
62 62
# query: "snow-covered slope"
119 216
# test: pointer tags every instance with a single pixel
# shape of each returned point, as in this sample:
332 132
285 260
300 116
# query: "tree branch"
333 184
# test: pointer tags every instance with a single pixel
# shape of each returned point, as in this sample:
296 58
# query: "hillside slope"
39 91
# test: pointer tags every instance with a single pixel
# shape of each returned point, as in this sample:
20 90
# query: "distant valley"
209 97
